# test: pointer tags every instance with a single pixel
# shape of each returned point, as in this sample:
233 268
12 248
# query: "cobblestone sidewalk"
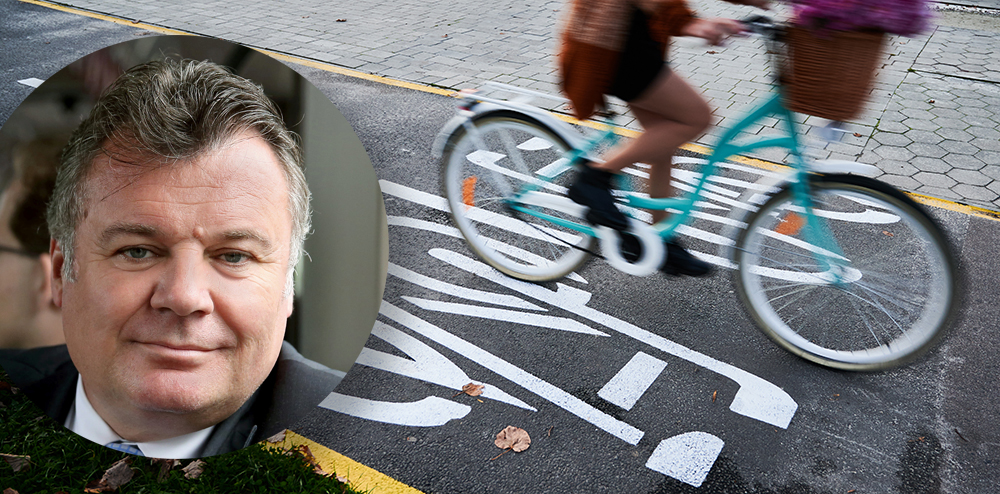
932 124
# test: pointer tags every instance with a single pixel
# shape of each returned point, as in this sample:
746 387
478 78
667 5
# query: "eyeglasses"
15 250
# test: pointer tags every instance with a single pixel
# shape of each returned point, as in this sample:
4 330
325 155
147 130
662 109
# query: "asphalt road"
928 427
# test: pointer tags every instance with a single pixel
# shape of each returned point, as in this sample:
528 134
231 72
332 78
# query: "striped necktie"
125 447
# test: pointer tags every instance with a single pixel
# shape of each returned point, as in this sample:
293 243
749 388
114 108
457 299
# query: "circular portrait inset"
169 286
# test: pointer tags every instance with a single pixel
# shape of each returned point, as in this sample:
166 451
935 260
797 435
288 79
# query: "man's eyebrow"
248 235
119 229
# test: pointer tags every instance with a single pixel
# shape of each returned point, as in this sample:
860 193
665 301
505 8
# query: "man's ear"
55 267
44 294
287 304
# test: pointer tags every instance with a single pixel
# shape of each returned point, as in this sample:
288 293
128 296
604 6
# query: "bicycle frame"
681 207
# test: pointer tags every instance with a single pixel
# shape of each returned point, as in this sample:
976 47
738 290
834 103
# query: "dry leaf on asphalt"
118 475
17 462
194 469
514 438
471 389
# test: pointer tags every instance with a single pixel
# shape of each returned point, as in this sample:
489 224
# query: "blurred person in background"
28 316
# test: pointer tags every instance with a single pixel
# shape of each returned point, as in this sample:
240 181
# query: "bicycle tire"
900 289
478 184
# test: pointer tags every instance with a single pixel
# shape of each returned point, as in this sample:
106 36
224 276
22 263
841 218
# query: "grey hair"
175 110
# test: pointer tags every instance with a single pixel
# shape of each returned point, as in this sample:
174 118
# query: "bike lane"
412 358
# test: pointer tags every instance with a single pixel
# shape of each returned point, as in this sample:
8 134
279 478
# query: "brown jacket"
595 34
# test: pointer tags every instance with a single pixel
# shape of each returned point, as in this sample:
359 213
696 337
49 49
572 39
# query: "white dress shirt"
85 421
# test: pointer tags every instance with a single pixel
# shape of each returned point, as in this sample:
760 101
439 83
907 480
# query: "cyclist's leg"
671 113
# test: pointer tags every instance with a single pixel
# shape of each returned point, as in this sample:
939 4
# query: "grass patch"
61 461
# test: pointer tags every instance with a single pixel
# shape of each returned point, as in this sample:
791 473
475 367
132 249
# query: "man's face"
178 301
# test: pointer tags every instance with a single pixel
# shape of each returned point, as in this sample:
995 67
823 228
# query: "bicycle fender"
844 166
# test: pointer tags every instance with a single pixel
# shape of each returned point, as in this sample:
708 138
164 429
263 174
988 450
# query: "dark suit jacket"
294 387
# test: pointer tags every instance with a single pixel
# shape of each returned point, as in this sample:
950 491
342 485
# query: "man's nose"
184 286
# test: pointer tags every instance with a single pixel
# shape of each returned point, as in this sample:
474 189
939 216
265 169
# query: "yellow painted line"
103 17
926 200
360 477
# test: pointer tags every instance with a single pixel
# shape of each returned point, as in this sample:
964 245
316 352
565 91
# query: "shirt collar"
85 421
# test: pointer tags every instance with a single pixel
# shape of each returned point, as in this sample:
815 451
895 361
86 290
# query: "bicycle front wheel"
873 288
484 171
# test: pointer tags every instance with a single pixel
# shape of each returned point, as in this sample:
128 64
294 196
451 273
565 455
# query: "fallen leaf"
931 102
714 394
711 52
165 467
887 233
790 224
857 134
473 389
194 469
341 20
514 438
118 475
17 462
277 438
342 480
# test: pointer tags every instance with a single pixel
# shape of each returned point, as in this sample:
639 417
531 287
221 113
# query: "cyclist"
618 47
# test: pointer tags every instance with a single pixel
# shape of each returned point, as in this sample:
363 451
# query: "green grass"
62 461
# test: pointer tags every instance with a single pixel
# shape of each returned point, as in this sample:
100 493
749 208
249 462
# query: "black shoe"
592 188
681 262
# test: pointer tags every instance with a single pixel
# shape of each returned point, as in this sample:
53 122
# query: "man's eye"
234 257
137 253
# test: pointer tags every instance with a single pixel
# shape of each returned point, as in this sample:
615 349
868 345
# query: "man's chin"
183 393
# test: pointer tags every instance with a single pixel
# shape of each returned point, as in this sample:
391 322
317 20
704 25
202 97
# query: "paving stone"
939 192
931 165
894 167
925 136
970 177
984 132
986 144
934 179
886 126
893 153
959 147
920 124
926 149
989 157
975 192
902 182
891 139
963 161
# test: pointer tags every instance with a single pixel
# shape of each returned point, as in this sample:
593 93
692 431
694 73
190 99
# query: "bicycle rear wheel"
877 294
483 170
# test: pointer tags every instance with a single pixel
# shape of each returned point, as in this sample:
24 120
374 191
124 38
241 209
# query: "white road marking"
632 381
428 412
686 457
426 364
756 398
526 318
460 291
557 396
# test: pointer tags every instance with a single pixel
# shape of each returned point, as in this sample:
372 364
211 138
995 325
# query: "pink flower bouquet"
902 17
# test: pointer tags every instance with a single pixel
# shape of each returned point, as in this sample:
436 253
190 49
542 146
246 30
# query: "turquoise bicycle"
816 278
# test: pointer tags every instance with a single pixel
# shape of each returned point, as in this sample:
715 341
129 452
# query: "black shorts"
640 63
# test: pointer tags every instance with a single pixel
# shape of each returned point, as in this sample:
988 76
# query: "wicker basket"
831 75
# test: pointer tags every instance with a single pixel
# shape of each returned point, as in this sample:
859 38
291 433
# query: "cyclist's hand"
712 30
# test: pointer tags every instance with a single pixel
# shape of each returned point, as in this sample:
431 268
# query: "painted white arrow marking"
428 412
460 291
526 318
756 398
557 396
427 364
686 457
632 381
